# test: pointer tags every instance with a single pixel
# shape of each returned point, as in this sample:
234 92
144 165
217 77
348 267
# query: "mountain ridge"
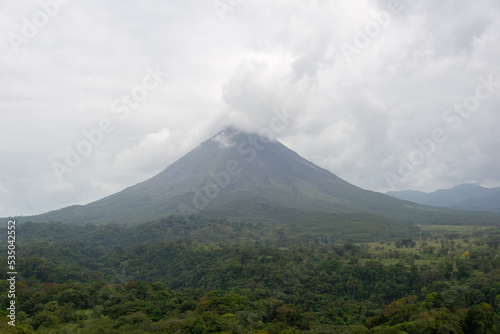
243 176
466 196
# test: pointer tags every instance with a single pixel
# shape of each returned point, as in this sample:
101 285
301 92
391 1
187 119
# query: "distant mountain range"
243 176
462 197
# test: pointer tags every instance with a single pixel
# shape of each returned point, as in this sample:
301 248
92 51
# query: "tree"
44 318
464 269
481 320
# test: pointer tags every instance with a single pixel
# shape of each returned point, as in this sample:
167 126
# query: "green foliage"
481 319
257 282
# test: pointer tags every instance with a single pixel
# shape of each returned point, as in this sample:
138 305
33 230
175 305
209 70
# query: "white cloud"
149 154
224 141
356 119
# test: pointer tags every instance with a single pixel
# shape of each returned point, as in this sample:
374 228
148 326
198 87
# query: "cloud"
149 154
224 141
357 118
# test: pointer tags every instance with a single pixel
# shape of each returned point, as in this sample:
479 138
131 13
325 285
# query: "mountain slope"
239 175
463 197
490 203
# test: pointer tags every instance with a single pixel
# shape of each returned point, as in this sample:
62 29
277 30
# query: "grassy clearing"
439 242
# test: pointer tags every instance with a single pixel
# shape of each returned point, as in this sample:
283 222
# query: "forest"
217 276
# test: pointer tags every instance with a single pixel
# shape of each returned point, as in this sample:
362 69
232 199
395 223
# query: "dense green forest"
217 276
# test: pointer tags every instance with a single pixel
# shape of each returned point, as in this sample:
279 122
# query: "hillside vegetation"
217 276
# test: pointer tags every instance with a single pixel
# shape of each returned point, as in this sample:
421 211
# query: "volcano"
244 176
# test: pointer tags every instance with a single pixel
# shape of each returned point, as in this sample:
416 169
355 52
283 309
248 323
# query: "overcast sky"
100 95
